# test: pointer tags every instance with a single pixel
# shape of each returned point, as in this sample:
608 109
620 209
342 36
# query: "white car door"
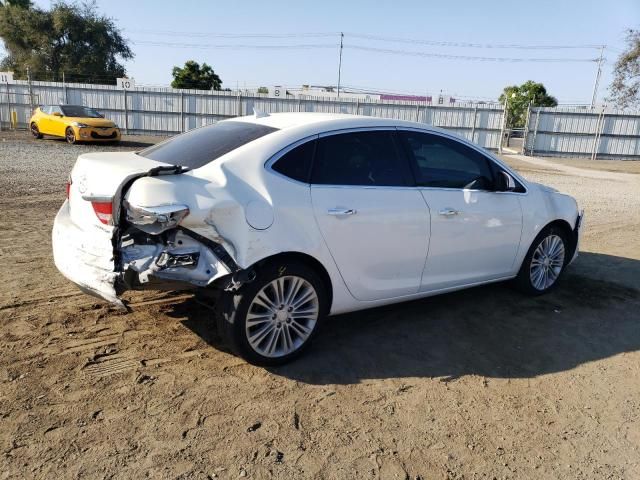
375 225
475 230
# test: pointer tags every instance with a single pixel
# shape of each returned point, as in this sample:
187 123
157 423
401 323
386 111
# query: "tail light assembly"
104 211
155 220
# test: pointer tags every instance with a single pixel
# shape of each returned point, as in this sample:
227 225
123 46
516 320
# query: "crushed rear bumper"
85 256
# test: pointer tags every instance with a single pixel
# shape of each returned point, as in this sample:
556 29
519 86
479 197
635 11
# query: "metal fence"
579 132
166 111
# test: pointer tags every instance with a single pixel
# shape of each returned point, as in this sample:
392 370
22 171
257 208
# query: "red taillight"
68 187
104 211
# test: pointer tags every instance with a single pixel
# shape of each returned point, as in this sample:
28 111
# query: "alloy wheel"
547 262
282 316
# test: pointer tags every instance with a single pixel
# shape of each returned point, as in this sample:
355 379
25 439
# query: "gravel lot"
483 383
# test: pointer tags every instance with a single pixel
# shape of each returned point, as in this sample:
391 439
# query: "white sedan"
287 218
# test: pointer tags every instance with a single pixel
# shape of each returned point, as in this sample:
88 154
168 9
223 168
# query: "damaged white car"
291 217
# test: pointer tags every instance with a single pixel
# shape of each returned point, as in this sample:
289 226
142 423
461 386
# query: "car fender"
542 205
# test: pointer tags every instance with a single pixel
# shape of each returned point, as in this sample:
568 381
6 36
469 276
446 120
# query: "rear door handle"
448 212
341 212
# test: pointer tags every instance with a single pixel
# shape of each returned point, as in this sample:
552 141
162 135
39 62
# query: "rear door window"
368 158
203 145
442 162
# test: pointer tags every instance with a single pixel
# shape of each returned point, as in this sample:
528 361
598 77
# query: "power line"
358 47
233 46
380 38
234 35
466 57
414 41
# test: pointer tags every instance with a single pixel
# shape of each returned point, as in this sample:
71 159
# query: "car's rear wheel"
70 136
545 262
35 131
273 319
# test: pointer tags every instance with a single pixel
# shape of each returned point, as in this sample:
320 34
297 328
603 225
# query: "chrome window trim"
340 131
478 149
280 153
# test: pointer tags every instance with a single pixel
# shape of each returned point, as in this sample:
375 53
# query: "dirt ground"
483 383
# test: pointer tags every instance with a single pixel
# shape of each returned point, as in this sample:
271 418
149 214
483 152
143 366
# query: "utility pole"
598 73
340 63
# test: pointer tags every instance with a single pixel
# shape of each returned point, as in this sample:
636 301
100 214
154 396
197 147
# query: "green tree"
192 75
625 88
72 38
17 3
263 90
518 98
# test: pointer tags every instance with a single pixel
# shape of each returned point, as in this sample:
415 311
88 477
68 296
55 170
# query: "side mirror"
56 114
505 182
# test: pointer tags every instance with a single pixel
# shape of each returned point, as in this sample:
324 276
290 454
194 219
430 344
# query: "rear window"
200 146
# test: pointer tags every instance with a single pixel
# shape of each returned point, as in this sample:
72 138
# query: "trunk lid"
99 177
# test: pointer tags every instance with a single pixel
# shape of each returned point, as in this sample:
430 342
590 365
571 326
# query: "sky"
164 34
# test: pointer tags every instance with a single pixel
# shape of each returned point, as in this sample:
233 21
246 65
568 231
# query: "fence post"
126 112
0 112
598 133
473 127
535 133
357 106
526 130
181 111
9 106
64 89
503 126
30 87
417 113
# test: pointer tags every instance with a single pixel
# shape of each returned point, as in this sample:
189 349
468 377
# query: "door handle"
340 212
448 212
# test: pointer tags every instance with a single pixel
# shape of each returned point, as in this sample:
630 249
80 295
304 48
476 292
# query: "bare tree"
625 88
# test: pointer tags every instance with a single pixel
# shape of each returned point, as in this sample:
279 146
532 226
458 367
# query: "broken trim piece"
217 249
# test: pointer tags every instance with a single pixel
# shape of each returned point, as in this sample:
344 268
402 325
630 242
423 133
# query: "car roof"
325 121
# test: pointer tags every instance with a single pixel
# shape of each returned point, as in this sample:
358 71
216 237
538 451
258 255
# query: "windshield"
80 111
200 146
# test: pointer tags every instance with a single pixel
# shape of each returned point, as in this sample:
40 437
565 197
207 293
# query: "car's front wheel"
70 136
545 261
272 319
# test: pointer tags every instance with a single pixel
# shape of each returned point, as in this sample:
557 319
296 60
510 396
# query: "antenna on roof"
259 114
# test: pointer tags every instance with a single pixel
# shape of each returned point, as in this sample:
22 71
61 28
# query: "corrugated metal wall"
165 111
598 133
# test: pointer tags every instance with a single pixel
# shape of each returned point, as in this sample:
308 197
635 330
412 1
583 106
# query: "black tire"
35 131
523 281
234 307
69 136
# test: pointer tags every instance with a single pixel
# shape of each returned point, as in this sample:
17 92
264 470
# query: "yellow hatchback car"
74 123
